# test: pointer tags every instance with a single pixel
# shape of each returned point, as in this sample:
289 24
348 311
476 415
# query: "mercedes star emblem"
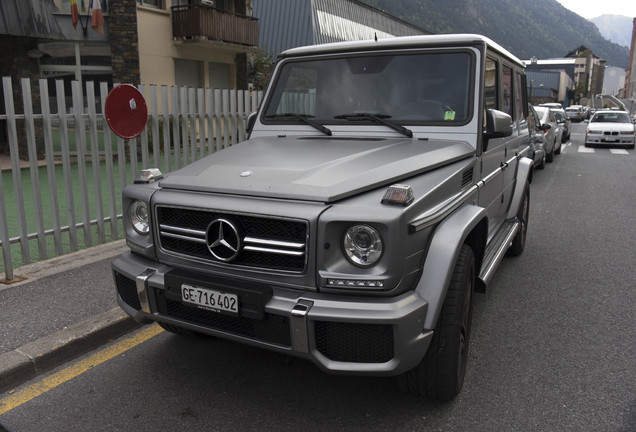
223 240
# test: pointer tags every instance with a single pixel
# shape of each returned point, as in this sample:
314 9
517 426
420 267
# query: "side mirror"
498 125
251 120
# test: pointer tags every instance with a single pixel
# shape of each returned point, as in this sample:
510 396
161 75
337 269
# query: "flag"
98 18
74 13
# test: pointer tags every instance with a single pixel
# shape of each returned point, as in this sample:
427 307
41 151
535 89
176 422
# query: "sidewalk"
64 308
5 162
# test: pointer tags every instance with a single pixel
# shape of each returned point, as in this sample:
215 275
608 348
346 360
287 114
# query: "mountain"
539 28
616 28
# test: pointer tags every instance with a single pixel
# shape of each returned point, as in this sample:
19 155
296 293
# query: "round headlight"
362 245
138 216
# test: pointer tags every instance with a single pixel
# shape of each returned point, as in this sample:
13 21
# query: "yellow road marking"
50 382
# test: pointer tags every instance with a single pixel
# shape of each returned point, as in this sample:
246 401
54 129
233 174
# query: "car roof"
451 40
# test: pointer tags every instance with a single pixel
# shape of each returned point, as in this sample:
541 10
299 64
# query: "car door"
493 157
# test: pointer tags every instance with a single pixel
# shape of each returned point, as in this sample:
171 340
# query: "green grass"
79 199
78 195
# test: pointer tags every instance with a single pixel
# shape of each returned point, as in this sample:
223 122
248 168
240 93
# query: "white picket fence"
71 197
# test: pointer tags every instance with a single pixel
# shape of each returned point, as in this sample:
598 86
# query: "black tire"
542 164
519 242
550 156
440 374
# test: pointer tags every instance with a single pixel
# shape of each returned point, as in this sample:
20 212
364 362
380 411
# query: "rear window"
611 118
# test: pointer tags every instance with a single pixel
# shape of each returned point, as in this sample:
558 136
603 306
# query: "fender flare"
442 253
524 168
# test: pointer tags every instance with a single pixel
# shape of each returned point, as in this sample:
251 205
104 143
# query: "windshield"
610 118
559 115
430 87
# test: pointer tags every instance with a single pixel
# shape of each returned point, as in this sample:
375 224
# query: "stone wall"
124 44
16 63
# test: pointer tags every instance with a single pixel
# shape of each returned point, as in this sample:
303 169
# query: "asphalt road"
553 345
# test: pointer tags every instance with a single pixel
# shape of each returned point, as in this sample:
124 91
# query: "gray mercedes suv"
382 184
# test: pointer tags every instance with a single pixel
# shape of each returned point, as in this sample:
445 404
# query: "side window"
490 84
519 99
506 84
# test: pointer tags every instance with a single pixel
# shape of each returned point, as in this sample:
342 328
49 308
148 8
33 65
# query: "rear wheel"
440 374
519 242
550 156
542 164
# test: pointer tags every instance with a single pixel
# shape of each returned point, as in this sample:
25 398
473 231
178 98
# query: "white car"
610 128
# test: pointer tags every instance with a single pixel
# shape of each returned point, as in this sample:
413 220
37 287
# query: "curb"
40 269
49 352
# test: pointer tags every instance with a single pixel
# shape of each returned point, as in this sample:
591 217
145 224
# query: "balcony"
200 22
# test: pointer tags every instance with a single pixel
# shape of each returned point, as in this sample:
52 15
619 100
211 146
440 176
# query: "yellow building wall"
157 50
154 29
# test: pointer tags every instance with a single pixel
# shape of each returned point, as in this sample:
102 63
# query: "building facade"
162 42
589 73
629 90
196 44
288 24
551 80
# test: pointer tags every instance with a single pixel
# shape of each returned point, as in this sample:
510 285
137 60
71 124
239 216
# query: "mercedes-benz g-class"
381 185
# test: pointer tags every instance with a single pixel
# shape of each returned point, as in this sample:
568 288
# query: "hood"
314 168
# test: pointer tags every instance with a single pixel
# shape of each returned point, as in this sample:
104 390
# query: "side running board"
496 251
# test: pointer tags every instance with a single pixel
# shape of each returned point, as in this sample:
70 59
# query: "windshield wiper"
379 118
304 118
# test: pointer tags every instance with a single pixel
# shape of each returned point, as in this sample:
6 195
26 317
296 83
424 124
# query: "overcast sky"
594 8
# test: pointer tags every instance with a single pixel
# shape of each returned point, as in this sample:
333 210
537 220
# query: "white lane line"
583 149
619 151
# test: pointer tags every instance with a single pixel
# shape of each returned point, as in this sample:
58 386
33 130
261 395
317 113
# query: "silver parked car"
379 190
563 122
537 140
551 132
610 128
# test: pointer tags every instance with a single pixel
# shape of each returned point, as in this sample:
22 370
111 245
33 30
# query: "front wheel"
440 374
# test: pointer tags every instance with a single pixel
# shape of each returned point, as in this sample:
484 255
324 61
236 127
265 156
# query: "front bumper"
340 334
609 140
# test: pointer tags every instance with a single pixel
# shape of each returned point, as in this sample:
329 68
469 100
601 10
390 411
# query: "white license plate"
210 299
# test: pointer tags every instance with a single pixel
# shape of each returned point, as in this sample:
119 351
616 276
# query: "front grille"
352 342
127 289
267 243
272 328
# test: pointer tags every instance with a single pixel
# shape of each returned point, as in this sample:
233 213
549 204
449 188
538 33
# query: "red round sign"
126 111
